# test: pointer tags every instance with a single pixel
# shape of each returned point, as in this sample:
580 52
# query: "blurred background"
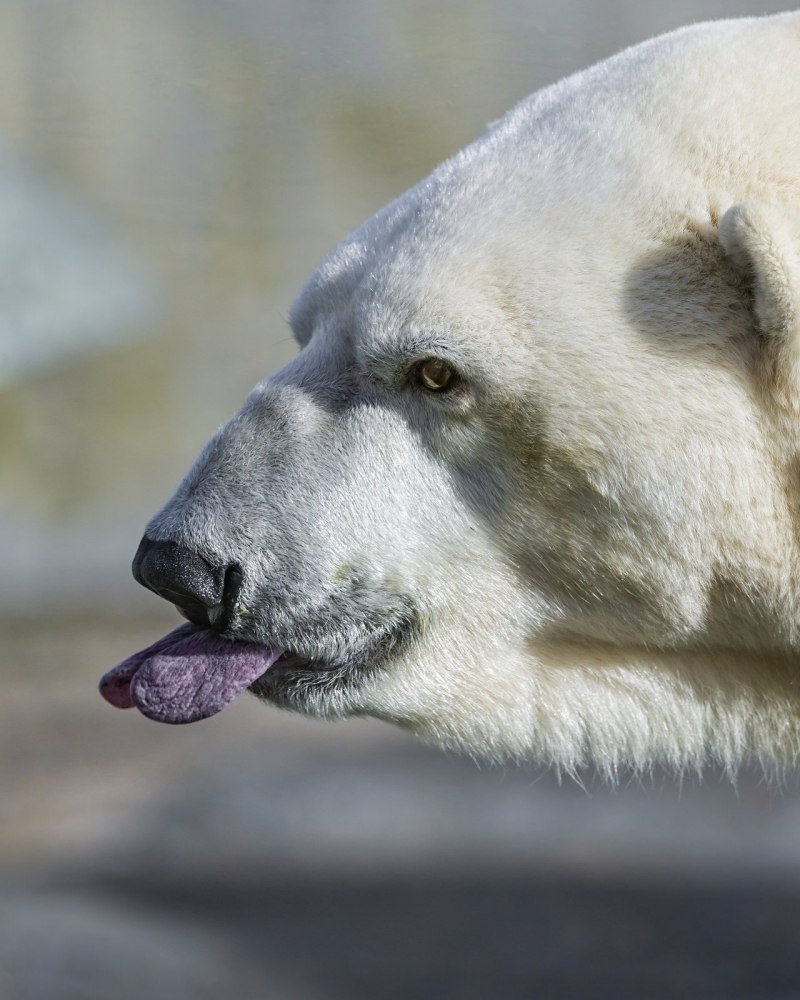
170 170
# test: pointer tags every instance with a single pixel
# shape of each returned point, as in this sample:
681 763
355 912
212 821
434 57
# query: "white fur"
600 533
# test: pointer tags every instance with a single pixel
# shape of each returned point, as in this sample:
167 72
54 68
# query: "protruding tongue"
188 675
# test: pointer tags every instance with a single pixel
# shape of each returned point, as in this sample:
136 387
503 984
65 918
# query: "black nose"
204 592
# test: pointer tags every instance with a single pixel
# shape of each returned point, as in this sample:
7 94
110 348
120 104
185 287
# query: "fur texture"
586 548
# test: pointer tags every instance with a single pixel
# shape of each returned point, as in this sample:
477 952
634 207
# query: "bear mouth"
189 674
193 673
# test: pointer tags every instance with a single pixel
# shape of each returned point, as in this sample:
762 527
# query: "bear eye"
435 375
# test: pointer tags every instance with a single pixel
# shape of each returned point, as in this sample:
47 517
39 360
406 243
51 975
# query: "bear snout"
204 592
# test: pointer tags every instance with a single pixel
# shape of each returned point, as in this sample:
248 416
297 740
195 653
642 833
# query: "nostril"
221 614
232 586
204 592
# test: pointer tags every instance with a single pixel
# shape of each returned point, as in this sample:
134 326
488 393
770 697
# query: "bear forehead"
468 231
446 269
573 181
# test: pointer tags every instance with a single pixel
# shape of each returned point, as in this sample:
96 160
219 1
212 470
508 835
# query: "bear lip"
188 675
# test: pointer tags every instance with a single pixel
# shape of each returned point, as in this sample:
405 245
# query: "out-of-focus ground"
170 170
261 855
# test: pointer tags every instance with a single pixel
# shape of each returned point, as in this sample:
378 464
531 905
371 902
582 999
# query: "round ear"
762 240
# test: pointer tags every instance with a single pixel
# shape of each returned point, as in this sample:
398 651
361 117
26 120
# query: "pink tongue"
186 676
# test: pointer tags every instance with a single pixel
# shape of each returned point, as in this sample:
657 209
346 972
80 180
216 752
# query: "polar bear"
531 486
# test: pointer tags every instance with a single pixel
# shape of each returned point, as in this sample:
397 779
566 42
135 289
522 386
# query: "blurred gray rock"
71 948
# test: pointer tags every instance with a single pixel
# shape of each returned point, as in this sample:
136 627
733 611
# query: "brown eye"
435 375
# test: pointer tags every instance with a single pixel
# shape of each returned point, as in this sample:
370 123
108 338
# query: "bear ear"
762 240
